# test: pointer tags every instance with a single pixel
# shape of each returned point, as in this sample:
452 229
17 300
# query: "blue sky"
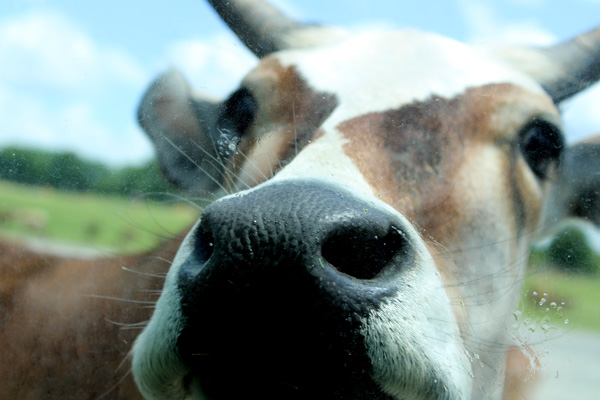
72 72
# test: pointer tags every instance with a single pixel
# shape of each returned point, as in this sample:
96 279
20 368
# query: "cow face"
381 191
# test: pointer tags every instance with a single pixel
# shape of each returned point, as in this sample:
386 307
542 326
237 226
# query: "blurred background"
77 174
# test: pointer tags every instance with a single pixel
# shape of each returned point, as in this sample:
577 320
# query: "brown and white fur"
380 193
383 191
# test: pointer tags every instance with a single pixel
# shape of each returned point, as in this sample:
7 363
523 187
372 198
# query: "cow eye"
542 144
237 112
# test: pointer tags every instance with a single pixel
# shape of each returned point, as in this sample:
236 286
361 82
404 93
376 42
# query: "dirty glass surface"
83 197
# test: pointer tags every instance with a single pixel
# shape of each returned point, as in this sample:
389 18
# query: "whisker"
132 223
222 164
151 275
188 201
97 296
253 165
217 182
295 129
128 325
164 259
103 395
489 244
234 182
213 161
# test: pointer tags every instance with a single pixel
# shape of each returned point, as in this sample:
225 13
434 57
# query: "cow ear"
575 191
181 125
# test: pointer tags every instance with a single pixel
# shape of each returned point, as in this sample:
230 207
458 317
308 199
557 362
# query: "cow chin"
250 309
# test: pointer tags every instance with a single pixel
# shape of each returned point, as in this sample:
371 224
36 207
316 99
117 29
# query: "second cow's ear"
181 125
575 192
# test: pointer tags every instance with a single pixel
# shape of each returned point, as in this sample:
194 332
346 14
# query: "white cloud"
48 49
77 118
485 26
214 65
61 90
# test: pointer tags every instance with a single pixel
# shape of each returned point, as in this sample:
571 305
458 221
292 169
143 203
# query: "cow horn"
259 25
563 69
578 61
264 29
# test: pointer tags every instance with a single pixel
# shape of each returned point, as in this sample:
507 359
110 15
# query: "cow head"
381 191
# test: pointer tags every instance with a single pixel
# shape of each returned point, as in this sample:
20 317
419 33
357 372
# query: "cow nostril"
361 253
204 244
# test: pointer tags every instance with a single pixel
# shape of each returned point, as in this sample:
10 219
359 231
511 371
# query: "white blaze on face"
325 159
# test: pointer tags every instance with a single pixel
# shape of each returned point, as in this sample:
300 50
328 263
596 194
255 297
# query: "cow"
378 192
67 321
394 199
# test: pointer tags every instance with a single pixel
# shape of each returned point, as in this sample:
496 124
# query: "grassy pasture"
105 222
555 299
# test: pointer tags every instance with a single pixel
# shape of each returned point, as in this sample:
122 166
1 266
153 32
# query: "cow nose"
293 228
281 276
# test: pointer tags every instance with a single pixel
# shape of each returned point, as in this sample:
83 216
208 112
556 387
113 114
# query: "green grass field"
114 223
131 225
562 300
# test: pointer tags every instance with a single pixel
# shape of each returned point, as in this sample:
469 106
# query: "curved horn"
563 69
578 60
259 25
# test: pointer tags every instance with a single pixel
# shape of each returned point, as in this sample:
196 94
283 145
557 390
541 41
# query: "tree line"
67 171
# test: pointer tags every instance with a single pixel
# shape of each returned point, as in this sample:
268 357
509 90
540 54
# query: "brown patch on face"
289 114
411 156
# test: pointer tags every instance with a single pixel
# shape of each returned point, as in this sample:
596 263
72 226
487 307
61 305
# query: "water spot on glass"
227 143
517 314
